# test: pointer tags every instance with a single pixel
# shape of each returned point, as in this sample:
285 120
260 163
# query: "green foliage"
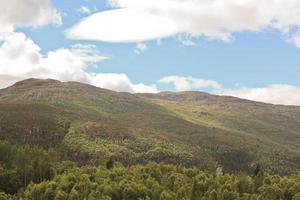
76 141
20 166
4 196
159 182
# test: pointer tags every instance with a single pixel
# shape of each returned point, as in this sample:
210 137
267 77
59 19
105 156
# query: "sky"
244 48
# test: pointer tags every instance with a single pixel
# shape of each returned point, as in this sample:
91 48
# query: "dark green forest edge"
75 141
36 174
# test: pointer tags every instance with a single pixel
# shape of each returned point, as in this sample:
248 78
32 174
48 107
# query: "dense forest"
31 173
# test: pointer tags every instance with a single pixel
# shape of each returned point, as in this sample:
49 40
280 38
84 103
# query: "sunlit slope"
277 123
88 124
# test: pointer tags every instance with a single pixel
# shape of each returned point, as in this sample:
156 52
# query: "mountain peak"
31 82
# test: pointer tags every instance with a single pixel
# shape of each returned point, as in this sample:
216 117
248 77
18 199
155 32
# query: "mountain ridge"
186 128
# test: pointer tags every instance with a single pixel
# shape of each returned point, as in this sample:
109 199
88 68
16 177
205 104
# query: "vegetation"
75 141
88 124
20 166
158 181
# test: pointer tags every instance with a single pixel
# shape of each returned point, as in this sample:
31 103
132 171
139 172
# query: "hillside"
89 124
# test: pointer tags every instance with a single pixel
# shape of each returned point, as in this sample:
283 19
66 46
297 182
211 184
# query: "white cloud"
122 25
282 94
275 94
142 20
20 58
186 40
295 39
84 10
140 48
190 83
28 13
121 83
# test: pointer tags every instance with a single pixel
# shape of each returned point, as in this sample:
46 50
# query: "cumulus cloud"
186 40
15 13
190 83
275 94
84 10
121 83
140 48
20 58
282 94
142 20
295 39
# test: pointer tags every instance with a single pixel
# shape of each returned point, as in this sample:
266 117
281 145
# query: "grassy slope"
186 128
268 130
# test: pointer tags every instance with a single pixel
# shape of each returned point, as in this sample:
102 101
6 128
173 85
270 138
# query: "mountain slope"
279 123
89 124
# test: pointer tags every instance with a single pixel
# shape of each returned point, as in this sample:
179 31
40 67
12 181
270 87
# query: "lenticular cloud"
123 25
142 20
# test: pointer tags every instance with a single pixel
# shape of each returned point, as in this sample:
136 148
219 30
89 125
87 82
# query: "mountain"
89 124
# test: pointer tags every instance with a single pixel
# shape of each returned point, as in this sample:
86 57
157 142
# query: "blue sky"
251 59
257 62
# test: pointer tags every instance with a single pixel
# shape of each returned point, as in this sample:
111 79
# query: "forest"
73 141
31 173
